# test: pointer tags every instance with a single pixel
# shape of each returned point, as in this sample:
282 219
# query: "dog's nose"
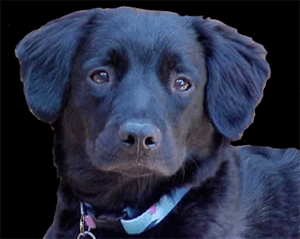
143 135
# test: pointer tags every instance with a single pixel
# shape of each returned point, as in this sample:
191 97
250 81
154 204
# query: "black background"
28 177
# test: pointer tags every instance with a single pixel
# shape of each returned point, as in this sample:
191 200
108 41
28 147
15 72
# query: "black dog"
144 106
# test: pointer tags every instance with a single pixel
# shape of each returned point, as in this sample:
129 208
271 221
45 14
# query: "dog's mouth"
134 171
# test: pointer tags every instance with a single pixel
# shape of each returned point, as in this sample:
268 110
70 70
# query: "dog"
144 105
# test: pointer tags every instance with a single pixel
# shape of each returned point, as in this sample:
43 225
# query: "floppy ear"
237 72
45 57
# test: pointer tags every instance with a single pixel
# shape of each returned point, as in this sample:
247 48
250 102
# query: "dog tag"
90 222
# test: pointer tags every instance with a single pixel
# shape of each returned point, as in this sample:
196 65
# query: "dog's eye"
100 76
182 84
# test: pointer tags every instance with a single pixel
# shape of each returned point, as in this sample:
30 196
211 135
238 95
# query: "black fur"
237 192
238 67
52 49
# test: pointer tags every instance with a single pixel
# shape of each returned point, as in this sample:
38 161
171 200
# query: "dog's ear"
237 72
45 57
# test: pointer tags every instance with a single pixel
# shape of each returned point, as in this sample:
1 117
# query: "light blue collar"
145 221
155 213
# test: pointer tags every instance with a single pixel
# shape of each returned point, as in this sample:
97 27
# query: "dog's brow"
112 57
171 60
117 56
93 62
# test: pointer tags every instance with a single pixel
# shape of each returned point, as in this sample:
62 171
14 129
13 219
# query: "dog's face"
137 86
137 92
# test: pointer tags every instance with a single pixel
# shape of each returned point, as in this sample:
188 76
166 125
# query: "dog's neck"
116 198
68 202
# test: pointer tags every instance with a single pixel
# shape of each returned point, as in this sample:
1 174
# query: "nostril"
150 142
129 140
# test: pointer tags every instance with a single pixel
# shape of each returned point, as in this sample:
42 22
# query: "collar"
151 217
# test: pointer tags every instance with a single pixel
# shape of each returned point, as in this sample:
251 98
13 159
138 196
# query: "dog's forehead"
137 21
142 32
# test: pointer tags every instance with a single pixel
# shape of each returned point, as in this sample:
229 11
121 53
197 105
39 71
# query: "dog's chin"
135 171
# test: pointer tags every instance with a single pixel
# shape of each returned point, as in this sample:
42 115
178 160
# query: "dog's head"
137 92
